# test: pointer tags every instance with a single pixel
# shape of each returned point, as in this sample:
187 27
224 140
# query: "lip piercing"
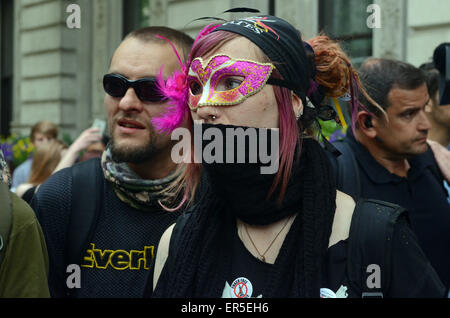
213 117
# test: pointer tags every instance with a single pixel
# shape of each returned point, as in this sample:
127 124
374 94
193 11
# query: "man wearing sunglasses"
103 215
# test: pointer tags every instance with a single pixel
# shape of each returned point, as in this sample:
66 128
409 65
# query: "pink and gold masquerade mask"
211 85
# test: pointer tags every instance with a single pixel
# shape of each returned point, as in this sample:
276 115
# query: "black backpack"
6 211
366 227
370 243
371 221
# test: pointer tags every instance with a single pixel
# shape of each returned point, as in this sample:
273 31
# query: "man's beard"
133 154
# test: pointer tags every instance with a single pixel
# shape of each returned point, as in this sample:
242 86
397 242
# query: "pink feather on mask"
206 30
176 90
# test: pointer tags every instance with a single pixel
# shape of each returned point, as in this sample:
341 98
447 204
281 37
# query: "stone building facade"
50 71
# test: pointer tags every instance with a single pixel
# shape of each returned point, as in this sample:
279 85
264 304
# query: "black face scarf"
243 185
202 261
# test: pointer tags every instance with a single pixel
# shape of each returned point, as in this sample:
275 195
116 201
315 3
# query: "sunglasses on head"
117 85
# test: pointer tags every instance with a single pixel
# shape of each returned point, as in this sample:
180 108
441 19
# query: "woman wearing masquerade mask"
250 234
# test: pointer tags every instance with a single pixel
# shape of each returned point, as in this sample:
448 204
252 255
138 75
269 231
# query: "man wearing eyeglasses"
101 218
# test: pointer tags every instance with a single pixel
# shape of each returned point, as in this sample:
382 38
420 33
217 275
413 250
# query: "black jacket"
422 193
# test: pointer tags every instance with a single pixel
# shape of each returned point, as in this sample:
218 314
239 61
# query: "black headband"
282 43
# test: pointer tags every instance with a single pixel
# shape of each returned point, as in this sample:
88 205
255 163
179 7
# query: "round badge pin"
241 288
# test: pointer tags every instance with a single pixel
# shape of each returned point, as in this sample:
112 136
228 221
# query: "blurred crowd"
108 201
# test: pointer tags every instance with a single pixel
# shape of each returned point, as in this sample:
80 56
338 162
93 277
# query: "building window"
135 15
6 65
346 20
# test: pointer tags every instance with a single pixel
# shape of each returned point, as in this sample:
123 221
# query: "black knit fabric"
202 262
121 230
232 182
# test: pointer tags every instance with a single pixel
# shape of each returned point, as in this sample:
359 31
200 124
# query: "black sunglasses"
117 85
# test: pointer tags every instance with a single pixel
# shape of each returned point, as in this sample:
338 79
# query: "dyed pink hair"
289 130
334 72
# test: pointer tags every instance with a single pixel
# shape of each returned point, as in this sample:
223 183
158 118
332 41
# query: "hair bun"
332 65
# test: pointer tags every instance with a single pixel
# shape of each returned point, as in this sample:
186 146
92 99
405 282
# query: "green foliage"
329 127
67 139
331 130
16 149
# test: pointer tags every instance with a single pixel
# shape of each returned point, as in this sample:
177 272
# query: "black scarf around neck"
243 186
202 259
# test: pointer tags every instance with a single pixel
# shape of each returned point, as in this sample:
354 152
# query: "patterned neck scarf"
139 193
4 171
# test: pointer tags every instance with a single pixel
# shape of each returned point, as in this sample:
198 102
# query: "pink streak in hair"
289 132
312 88
289 138
175 208
356 105
206 30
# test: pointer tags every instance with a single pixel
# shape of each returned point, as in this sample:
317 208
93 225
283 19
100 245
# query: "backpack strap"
6 211
173 246
370 246
87 191
175 238
348 180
